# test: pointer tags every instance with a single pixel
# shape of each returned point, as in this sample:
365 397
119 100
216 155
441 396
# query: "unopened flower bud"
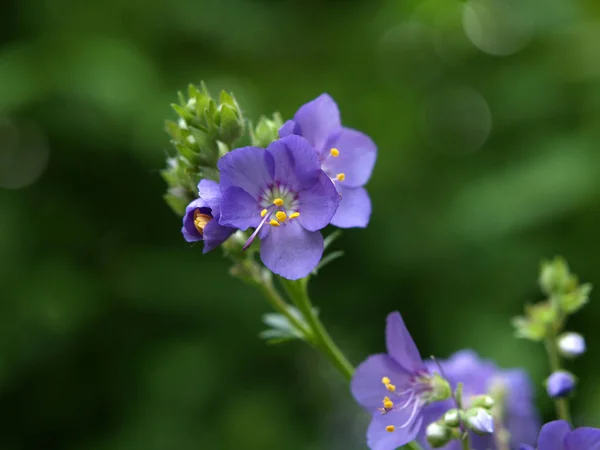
437 434
441 388
182 123
266 131
560 384
452 418
480 420
483 401
571 344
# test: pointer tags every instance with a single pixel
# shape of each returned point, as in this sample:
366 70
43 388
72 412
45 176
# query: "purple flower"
560 384
510 388
201 220
557 435
395 387
346 155
285 196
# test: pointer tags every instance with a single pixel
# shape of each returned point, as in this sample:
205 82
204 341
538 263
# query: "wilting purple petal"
215 235
210 192
583 438
189 231
318 204
239 209
354 209
318 120
290 127
296 162
552 435
357 155
378 438
401 346
291 251
366 385
249 168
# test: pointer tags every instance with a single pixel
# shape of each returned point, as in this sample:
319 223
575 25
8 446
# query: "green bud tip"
452 418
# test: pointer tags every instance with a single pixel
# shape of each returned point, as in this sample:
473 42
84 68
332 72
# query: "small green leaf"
331 238
327 259
574 301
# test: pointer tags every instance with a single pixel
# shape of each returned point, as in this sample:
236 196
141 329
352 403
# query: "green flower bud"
441 388
266 131
437 434
452 418
483 401
479 420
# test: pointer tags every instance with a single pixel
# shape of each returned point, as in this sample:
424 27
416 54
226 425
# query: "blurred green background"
117 334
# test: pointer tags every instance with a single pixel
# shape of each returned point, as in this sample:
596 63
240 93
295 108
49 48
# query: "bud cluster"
456 422
205 130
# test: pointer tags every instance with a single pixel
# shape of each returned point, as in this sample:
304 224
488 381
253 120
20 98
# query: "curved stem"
298 292
561 404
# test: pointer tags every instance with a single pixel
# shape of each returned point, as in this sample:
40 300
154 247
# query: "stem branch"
561 404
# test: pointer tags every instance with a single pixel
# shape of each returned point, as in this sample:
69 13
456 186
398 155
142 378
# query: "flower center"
413 397
281 202
201 220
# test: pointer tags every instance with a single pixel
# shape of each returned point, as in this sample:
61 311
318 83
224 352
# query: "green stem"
561 404
466 442
414 445
298 292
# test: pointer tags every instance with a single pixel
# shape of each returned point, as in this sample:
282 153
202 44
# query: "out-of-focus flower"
346 155
282 193
514 410
571 344
201 219
395 387
557 435
560 384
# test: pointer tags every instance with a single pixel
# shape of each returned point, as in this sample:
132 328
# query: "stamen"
201 220
278 202
274 223
412 414
390 428
255 233
340 176
387 403
294 215
390 387
263 213
386 380
281 216
334 152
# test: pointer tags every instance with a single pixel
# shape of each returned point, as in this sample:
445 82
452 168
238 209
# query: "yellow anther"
274 223
294 215
201 220
281 216
340 176
263 213
390 387
387 403
390 428
334 152
278 202
386 380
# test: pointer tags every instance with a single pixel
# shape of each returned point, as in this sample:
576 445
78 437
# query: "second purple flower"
282 193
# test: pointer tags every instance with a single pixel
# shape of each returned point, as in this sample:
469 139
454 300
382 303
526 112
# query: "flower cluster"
311 177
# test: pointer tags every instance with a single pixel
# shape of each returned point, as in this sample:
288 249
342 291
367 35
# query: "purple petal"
553 434
189 231
290 127
366 385
291 251
583 438
296 162
318 204
560 384
239 209
356 159
378 438
526 447
401 346
318 120
215 235
210 192
354 209
250 168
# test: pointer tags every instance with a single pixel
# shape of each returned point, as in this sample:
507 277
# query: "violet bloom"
395 387
201 219
511 390
283 193
346 155
557 435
